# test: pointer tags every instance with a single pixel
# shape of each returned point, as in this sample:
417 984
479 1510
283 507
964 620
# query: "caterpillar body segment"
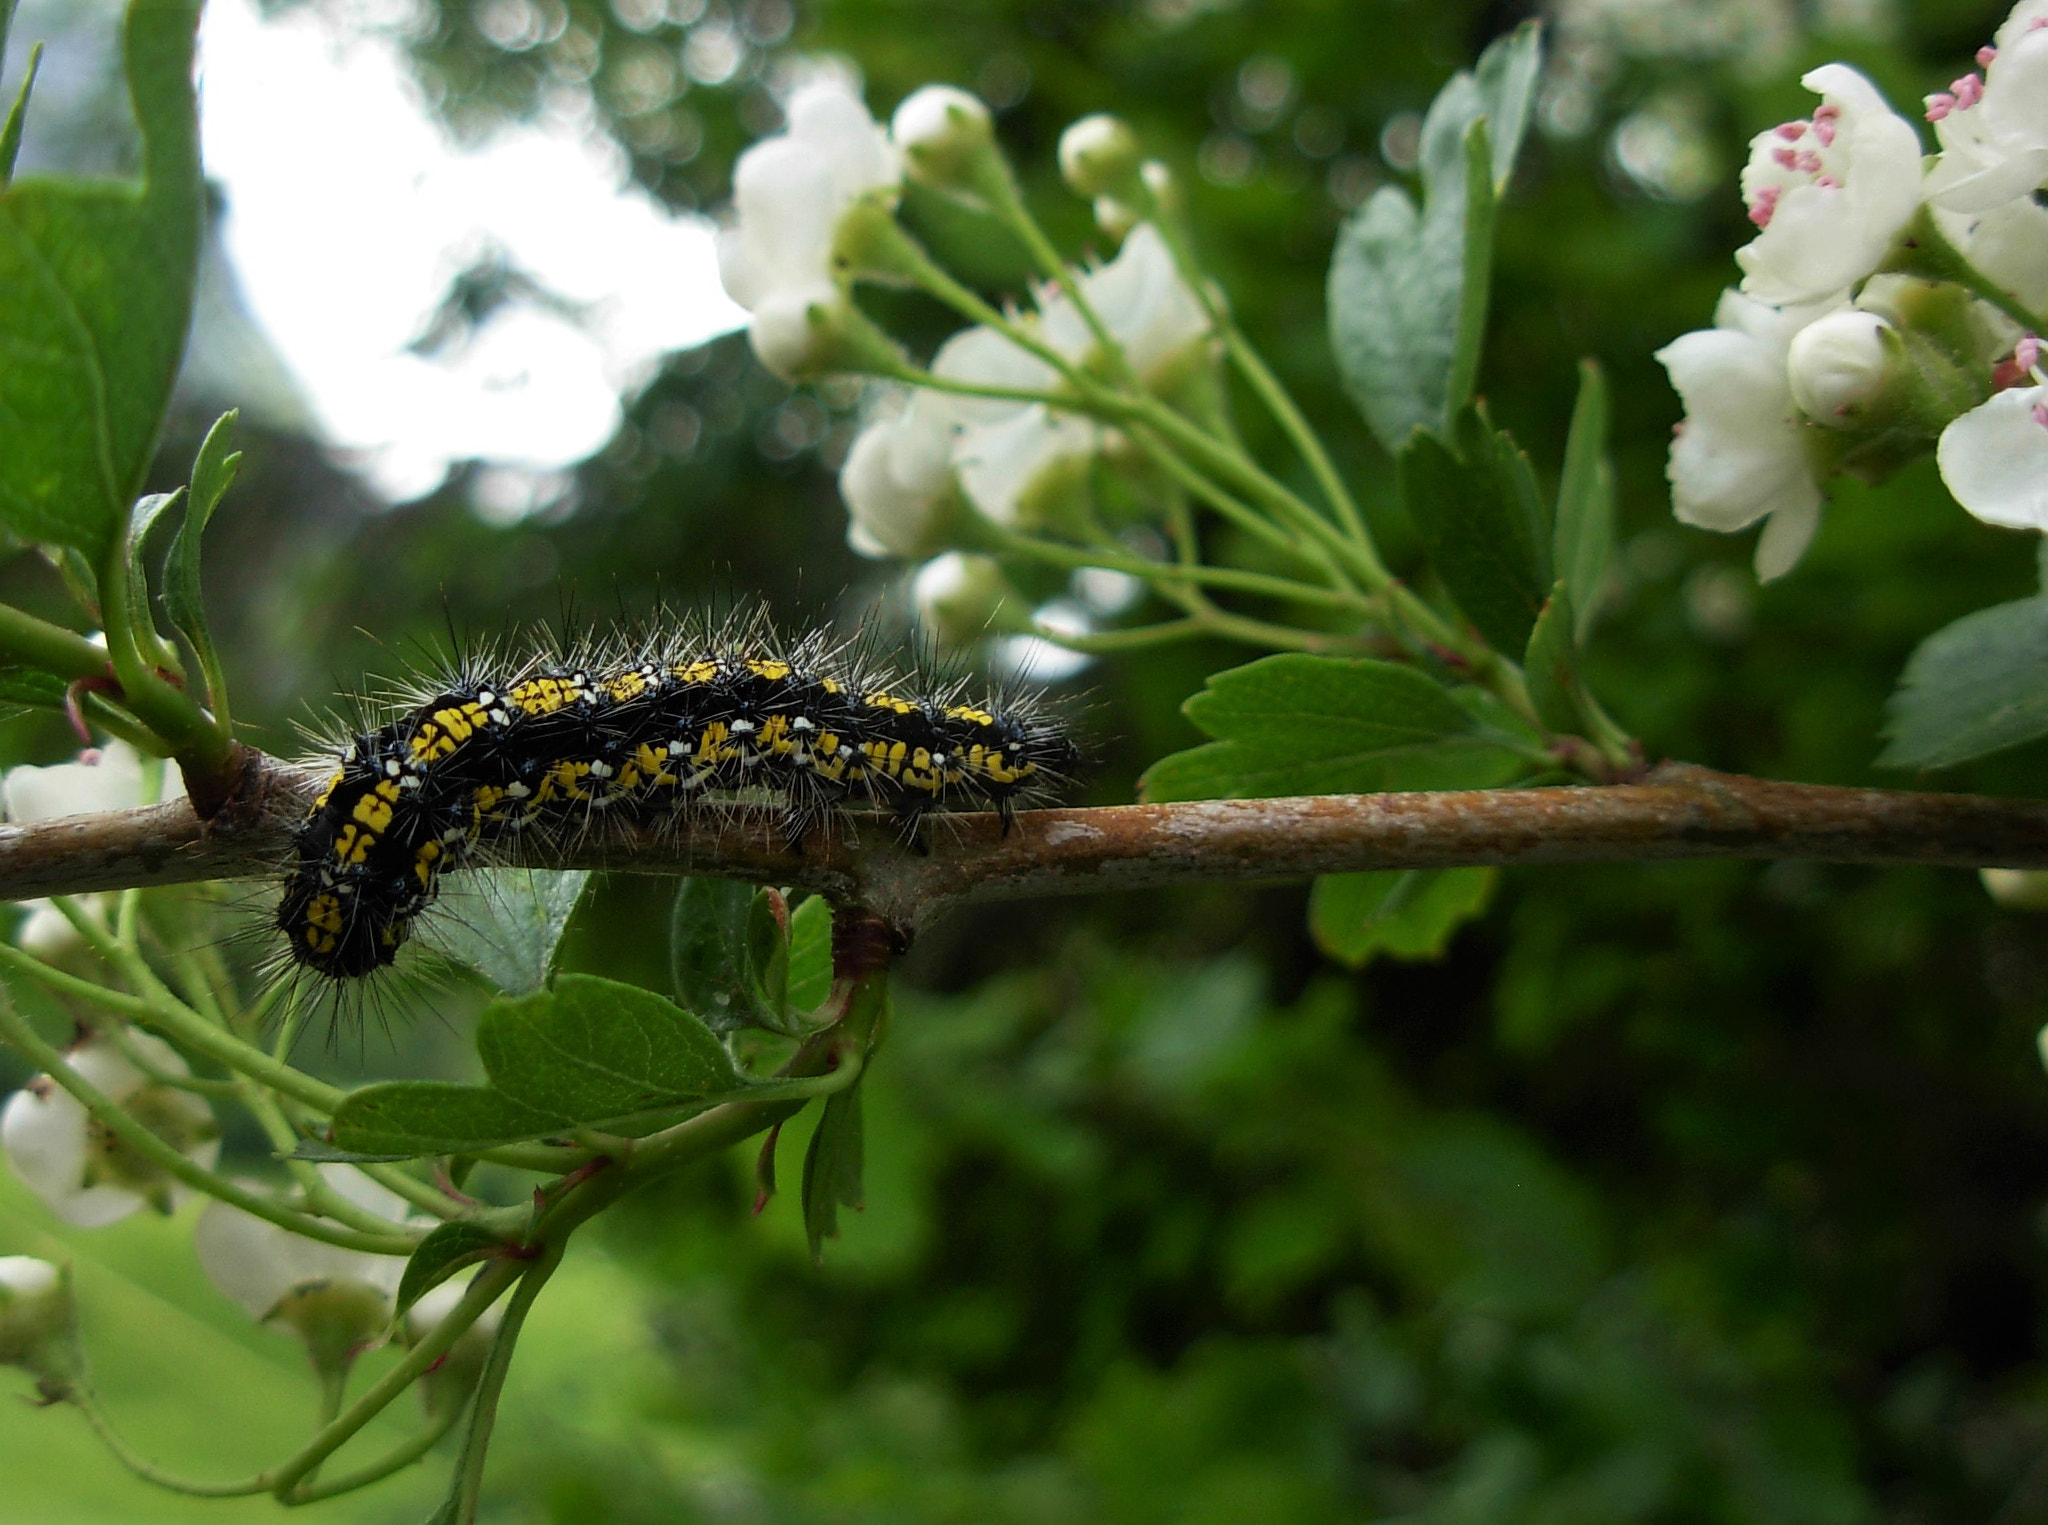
633 729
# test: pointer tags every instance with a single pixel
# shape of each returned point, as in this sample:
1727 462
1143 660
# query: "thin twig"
1679 811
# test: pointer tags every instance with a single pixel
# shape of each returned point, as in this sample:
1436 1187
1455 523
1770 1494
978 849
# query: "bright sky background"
349 210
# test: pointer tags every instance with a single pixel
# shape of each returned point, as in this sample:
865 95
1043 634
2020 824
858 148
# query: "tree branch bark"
1680 811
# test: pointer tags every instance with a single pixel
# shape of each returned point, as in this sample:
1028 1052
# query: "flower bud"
958 596
946 138
1100 157
1839 366
805 332
896 478
39 1322
1116 218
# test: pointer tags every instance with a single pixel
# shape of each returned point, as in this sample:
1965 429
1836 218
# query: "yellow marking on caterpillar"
696 672
320 800
882 701
423 863
887 756
712 745
767 667
775 736
352 844
569 774
543 696
323 923
651 762
374 809
627 685
969 712
990 764
831 686
919 772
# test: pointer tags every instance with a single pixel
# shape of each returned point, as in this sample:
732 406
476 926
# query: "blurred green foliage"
1705 1192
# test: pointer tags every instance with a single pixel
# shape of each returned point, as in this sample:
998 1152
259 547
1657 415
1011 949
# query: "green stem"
483 1411
1288 588
1252 366
88 1404
50 1060
1924 250
50 648
375 1472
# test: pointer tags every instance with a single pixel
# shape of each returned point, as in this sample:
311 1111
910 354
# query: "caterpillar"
629 729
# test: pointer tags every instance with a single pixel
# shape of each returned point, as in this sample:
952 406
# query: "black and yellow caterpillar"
634 731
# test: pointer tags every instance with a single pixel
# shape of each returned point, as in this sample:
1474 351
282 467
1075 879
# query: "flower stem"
1269 585
483 1412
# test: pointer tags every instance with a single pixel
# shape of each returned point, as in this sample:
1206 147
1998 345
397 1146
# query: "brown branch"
1679 812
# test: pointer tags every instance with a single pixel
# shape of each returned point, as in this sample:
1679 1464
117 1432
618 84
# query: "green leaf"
1297 724
1583 539
592 1048
1407 287
142 522
711 955
96 281
1507 75
407 1119
213 472
1405 913
832 1168
1480 520
440 1255
17 114
31 687
1977 686
511 925
810 955
1551 665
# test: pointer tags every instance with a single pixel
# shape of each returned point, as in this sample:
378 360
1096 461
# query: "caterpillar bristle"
562 736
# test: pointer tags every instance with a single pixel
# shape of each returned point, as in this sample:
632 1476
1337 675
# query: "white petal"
2008 243
1145 304
785 330
45 1138
1787 533
1741 451
257 1263
1995 460
1005 468
983 357
111 781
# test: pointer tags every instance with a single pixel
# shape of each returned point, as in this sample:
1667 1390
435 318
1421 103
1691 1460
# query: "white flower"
1993 127
83 1173
264 1267
1151 313
789 195
1830 194
1023 471
940 132
1741 453
1839 362
1995 457
113 777
896 475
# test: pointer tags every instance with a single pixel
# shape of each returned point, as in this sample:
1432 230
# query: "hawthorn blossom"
113 777
1018 462
1995 457
1830 194
1838 364
790 193
899 469
1993 127
1741 453
86 1175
